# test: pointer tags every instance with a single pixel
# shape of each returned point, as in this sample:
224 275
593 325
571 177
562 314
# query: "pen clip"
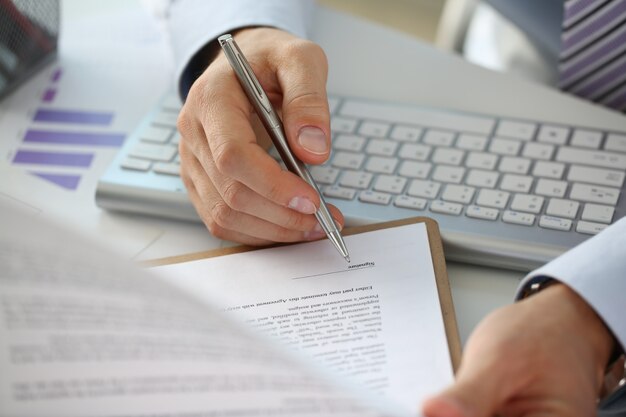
254 83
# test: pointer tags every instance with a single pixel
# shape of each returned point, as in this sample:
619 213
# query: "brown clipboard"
436 251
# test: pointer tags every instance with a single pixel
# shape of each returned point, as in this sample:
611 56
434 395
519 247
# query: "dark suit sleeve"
540 20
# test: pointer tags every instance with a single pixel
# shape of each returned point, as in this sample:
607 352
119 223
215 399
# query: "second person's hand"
543 356
240 192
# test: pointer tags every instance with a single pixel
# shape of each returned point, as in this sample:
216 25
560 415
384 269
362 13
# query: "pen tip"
347 258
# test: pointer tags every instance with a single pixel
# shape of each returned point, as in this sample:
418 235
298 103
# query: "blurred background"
472 29
419 18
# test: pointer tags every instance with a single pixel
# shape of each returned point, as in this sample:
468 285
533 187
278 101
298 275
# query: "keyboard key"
516 183
478 212
481 160
381 165
555 223
415 151
536 150
615 142
448 156
348 160
171 103
583 138
562 208
514 165
381 147
515 217
413 115
594 194
590 228
517 130
334 191
471 142
598 213
166 119
414 203
333 104
390 184
375 129
324 174
549 169
492 198
595 158
612 178
551 188
342 124
458 193
175 139
153 152
167 168
156 134
504 146
136 164
451 174
414 169
406 133
356 179
438 138
439 206
374 197
556 135
527 203
482 179
421 188
353 143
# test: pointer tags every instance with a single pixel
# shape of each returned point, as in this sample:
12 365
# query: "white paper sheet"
83 333
377 320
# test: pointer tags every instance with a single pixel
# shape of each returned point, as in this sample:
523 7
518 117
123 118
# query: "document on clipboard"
385 320
287 330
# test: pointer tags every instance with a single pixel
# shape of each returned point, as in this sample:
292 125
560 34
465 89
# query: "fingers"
230 208
536 357
476 392
236 154
237 188
305 104
470 397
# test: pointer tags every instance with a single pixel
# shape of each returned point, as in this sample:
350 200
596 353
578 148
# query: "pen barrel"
297 167
268 116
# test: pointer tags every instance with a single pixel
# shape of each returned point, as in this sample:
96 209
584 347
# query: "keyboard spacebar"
417 116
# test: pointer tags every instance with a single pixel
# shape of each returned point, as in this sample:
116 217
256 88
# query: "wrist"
583 320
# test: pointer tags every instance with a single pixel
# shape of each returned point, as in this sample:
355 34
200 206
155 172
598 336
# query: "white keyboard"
506 192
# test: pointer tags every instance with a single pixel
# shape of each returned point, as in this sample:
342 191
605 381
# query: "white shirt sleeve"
193 24
596 270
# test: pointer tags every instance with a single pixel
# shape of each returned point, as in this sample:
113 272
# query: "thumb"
305 105
470 396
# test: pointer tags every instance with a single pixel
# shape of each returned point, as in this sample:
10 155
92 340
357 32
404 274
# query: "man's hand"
543 356
239 191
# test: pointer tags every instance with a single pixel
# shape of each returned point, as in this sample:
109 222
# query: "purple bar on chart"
73 117
68 181
56 75
48 95
74 138
53 158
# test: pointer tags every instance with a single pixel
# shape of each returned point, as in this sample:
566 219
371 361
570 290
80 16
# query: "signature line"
335 272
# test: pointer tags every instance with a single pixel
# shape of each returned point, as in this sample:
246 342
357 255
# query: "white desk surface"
369 61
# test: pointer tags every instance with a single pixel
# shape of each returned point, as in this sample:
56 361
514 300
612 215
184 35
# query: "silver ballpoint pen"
274 127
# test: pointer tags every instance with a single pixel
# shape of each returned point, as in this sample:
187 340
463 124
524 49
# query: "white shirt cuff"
195 23
596 270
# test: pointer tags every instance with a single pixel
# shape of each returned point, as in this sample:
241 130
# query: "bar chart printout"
44 144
